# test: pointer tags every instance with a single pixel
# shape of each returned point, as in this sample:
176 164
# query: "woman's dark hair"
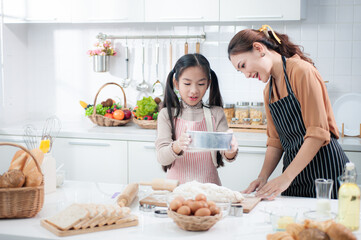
171 99
243 42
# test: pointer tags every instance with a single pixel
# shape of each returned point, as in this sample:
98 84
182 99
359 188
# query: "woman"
300 121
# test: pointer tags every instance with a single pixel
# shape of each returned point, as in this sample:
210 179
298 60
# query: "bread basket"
194 223
22 202
105 121
148 124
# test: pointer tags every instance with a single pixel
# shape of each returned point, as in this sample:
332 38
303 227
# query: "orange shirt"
310 90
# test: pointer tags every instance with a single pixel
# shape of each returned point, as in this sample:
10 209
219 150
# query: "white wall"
46 70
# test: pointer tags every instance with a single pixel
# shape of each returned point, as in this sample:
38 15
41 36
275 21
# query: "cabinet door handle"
12 140
182 18
252 151
259 16
149 147
90 144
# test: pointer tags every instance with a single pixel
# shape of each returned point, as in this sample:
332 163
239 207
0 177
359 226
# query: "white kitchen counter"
132 132
254 225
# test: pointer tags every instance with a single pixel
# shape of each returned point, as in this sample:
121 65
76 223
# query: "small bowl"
280 218
207 141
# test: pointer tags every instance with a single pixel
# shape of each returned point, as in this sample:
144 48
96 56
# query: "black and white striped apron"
329 161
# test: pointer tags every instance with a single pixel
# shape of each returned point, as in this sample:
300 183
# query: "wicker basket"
105 121
148 124
23 202
194 223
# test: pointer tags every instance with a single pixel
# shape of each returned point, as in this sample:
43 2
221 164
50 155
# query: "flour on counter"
212 191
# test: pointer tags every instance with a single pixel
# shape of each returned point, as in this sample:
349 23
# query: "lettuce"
146 106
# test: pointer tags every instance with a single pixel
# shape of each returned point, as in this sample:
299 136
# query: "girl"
191 76
300 120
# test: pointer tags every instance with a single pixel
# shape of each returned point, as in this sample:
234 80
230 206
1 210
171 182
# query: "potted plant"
101 55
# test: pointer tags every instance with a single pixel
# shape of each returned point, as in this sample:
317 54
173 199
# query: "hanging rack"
102 36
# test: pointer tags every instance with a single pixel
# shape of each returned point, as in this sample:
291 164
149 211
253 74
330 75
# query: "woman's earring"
263 54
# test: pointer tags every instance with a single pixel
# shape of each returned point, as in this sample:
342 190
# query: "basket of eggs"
146 112
194 215
22 186
108 113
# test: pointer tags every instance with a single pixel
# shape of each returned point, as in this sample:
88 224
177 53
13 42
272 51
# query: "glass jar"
256 110
234 121
256 121
242 111
228 111
246 121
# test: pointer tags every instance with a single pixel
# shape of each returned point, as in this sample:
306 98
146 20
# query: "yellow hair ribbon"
264 29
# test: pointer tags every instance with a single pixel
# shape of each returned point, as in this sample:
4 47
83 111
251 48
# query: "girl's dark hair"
243 42
171 99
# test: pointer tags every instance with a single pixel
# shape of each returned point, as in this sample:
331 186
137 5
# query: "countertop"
132 132
255 225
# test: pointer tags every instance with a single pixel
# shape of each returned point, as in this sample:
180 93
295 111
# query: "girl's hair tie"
265 28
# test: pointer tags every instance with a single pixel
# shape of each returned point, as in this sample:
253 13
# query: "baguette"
33 178
30 163
19 160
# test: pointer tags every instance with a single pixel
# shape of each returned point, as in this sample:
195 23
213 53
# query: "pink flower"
114 53
89 52
97 52
106 45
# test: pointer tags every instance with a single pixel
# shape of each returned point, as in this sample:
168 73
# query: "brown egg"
211 203
195 206
204 204
203 212
175 204
184 210
214 210
201 197
188 202
180 198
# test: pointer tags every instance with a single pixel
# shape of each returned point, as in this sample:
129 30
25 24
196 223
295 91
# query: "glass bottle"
349 199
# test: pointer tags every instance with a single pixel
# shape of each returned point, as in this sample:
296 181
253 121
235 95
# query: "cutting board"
160 200
128 222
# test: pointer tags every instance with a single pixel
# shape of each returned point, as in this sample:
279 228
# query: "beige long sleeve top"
310 90
164 141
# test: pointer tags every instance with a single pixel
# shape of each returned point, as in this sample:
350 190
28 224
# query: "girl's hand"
274 187
231 153
255 185
182 142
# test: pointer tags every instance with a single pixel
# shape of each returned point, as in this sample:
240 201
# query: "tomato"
109 115
118 114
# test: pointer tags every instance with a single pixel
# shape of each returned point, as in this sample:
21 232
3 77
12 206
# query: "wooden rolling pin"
128 195
162 184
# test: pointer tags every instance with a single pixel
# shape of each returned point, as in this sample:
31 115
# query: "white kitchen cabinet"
92 160
240 173
7 152
36 11
181 11
143 165
107 10
260 10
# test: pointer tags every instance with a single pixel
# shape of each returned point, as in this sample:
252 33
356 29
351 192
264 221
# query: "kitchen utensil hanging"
186 47
51 130
157 86
170 55
198 46
125 82
143 86
31 137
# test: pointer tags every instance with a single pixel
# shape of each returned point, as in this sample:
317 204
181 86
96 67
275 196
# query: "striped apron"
329 161
193 165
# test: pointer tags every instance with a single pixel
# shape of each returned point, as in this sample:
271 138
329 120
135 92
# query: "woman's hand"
231 153
182 143
255 185
274 187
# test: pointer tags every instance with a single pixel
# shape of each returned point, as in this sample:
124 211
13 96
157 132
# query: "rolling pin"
162 184
128 195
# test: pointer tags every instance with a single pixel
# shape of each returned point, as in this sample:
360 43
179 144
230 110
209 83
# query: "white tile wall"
46 70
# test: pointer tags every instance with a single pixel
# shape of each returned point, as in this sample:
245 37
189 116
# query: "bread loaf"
312 234
19 160
337 231
13 178
30 163
280 236
33 178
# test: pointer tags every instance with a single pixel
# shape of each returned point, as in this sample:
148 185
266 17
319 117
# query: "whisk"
51 130
31 137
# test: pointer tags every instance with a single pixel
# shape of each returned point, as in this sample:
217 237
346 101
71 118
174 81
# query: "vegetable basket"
194 223
22 202
148 124
105 121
